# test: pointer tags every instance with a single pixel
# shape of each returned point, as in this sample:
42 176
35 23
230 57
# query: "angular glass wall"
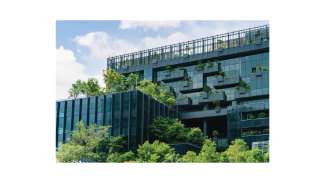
108 112
125 117
60 128
92 110
133 122
117 114
69 118
84 111
100 110
76 113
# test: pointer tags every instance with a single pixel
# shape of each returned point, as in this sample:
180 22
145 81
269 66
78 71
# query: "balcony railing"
198 46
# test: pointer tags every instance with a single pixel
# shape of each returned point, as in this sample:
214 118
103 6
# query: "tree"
176 132
195 136
132 80
91 88
112 79
149 88
68 153
126 157
159 127
89 138
76 89
172 158
236 152
255 156
171 102
154 152
189 157
109 148
209 152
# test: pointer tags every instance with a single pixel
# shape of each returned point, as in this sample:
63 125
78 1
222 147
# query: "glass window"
226 68
248 58
253 57
226 62
248 65
253 85
237 60
259 56
259 83
248 80
237 67
233 67
232 61
253 92
265 90
259 91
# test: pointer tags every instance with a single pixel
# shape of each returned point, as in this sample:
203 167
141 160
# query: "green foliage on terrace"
242 85
93 143
200 65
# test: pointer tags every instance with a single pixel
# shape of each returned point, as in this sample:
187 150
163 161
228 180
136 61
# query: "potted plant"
215 136
250 116
261 115
266 131
217 103
220 47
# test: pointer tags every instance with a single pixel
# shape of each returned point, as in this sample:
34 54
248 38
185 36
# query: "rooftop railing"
198 46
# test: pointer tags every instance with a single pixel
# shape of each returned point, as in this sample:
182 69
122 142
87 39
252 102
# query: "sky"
82 47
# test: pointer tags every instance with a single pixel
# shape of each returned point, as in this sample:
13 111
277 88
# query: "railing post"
202 45
212 43
193 47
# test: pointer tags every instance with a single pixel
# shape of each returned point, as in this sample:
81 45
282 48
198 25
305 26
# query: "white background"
27 70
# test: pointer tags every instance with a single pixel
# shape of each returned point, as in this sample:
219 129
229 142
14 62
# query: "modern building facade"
129 113
241 55
244 113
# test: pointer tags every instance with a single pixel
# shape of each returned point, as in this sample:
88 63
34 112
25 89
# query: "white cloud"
101 45
68 71
177 37
149 24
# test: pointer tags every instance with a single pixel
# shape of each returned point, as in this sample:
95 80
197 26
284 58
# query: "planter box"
209 99
204 95
258 41
125 67
184 102
228 82
217 110
241 91
173 76
154 61
258 73
220 49
189 89
207 71
185 83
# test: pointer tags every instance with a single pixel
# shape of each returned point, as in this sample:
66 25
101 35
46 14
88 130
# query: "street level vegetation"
93 143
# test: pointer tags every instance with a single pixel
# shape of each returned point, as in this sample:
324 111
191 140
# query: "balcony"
207 71
232 43
184 102
204 99
172 76
190 88
225 83
203 114
242 94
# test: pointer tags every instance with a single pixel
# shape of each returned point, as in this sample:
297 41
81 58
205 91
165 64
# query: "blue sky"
83 46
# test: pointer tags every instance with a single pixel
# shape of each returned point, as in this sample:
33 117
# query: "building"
129 113
241 55
243 113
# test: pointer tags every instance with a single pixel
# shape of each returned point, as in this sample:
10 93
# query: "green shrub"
261 115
